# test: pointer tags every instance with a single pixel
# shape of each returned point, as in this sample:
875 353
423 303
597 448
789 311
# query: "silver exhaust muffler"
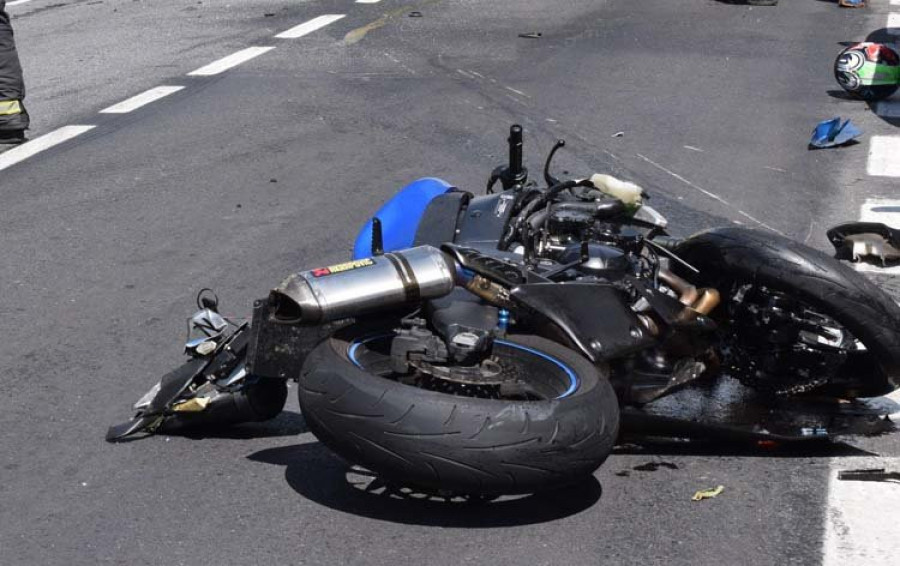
363 286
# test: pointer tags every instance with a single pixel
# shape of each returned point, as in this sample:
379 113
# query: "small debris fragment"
653 466
874 474
273 180
708 493
623 473
531 35
832 133
852 3
268 15
619 135
415 14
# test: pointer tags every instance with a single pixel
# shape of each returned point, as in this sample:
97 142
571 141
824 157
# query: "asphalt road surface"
251 171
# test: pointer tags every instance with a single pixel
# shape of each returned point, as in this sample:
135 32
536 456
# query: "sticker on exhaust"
341 267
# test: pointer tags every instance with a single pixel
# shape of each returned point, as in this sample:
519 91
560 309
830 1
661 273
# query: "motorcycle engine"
603 261
571 223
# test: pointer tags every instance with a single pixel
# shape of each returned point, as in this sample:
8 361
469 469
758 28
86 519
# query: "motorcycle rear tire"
455 444
727 255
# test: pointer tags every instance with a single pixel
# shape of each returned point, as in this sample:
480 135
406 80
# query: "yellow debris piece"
194 405
708 493
10 107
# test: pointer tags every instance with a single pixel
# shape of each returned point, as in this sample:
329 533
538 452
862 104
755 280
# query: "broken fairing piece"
708 493
872 245
874 474
855 241
832 133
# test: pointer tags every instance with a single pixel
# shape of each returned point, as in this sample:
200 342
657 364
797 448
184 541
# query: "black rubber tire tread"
439 441
742 254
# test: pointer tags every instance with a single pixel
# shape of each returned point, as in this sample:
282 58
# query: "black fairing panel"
594 317
439 222
486 218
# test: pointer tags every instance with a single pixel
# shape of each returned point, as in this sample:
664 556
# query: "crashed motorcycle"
500 343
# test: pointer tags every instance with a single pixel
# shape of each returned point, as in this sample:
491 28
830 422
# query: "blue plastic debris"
832 133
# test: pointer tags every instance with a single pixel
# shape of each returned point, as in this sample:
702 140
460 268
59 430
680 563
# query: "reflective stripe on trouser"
10 107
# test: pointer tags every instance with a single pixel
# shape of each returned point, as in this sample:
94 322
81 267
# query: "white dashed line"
43 143
377 1
884 156
310 26
232 60
893 23
142 99
859 525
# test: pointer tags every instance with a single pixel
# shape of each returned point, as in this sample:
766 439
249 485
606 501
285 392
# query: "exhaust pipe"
363 286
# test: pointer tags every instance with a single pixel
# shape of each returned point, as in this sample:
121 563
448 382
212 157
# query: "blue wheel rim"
570 373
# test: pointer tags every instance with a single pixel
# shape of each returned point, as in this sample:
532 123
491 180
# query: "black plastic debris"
653 466
872 474
415 14
532 35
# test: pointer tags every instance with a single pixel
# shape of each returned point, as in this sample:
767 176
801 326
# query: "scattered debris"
653 466
873 474
855 241
531 35
852 3
415 14
623 474
268 15
619 135
708 493
833 133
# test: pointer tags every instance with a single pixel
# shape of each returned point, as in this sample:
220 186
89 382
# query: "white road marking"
893 23
859 525
519 92
142 99
310 26
43 143
884 156
16 3
888 108
368 1
886 211
230 61
707 193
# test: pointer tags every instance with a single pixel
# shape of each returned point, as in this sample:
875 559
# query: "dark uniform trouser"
12 86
